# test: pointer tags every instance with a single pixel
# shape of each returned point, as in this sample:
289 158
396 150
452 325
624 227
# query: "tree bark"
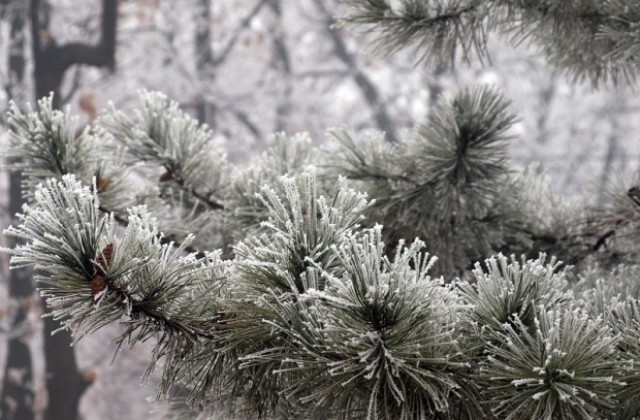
65 383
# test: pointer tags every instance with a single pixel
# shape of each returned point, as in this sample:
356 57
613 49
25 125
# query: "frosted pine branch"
588 40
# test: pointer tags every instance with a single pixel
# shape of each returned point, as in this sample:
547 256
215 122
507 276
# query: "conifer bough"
593 40
291 301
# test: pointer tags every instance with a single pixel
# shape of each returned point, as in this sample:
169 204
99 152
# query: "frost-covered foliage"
313 315
594 40
274 292
565 367
48 144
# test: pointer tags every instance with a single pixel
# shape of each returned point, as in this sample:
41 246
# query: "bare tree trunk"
65 383
51 60
17 389
614 109
204 57
546 97
281 62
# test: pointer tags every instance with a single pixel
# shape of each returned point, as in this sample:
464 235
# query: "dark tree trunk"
204 58
17 401
17 388
51 60
65 383
281 62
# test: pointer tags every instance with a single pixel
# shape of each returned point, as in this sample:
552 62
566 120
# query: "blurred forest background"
249 68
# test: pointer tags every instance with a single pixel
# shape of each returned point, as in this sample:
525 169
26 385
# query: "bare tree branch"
366 86
224 54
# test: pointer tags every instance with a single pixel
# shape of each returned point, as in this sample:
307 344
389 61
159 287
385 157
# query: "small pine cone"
98 284
104 259
103 184
166 176
91 375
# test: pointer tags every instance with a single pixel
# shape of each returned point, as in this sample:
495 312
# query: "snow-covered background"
276 65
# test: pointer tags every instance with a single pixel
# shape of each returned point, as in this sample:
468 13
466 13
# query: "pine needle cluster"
589 40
